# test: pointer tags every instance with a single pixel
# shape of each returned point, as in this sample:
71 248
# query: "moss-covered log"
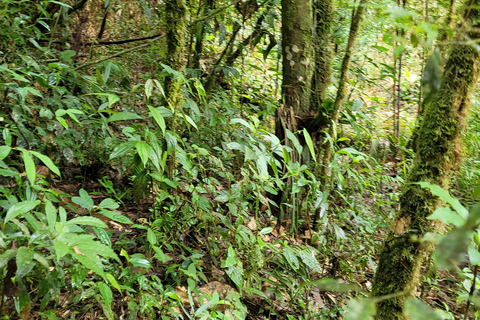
438 155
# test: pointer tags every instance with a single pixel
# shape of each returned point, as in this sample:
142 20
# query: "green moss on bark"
439 152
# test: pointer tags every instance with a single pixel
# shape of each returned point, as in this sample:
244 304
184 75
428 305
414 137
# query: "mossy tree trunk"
357 17
438 155
323 15
175 11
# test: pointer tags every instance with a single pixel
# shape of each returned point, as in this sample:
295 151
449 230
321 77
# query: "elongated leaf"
106 292
7 256
361 309
445 196
295 141
51 214
447 216
116 217
29 166
124 116
158 118
25 262
20 209
190 120
243 122
148 88
309 143
416 309
144 150
291 257
4 152
48 162
123 149
87 221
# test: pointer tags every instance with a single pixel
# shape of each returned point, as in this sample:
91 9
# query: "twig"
117 54
470 294
121 41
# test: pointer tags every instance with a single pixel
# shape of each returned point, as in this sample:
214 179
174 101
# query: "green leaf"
416 309
308 257
291 257
452 249
144 150
242 122
121 116
398 51
266 230
473 255
139 260
158 118
190 120
61 248
20 209
108 203
116 216
361 309
328 284
4 152
29 166
25 262
113 281
48 162
123 149
51 214
7 256
87 221
445 196
148 88
447 216
151 237
204 307
295 141
309 142
84 201
106 292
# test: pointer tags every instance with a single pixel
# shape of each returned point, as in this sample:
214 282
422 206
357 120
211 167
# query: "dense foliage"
143 176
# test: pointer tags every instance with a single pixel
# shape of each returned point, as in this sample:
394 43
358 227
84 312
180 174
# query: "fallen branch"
118 54
121 41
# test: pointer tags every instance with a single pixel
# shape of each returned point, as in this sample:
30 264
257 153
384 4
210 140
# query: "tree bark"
357 17
438 156
323 14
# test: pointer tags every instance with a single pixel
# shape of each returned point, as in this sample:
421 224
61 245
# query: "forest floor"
441 291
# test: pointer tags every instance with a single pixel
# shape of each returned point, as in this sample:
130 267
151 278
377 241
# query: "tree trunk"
357 17
323 13
298 59
175 25
438 156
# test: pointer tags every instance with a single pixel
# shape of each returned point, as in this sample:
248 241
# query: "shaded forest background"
239 159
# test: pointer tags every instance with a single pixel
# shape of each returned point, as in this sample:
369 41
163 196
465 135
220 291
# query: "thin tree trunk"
175 25
438 156
323 13
357 16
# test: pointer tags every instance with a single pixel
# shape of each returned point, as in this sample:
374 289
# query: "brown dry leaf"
317 301
223 289
251 224
182 294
